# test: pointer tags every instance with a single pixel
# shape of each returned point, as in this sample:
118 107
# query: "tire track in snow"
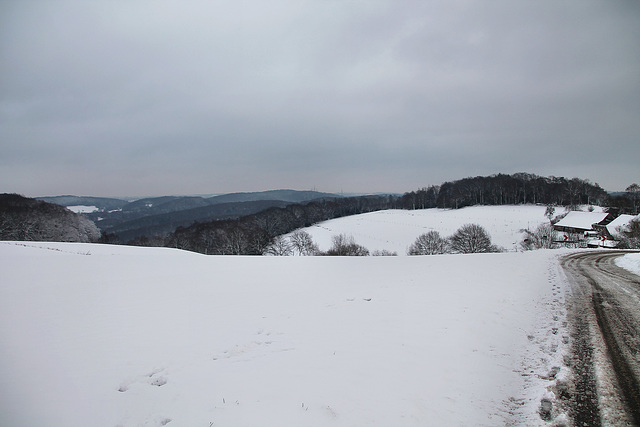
609 318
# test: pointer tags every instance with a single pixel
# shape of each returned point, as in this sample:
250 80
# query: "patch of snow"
591 208
113 335
593 243
82 209
630 262
396 230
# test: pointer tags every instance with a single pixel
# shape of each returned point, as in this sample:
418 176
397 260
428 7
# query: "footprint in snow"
152 378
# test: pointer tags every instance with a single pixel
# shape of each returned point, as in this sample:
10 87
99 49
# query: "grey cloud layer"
171 97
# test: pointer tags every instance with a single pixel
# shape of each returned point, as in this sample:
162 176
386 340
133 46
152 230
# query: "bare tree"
550 211
279 247
430 243
7 227
302 243
634 193
472 238
574 187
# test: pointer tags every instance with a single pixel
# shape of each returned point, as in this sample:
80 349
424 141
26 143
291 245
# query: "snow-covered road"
607 312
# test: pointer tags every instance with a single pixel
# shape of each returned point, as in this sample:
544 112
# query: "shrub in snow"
384 252
472 238
544 237
430 243
344 245
630 238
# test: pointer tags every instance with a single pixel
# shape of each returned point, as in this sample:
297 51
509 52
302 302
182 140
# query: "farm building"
620 223
582 222
591 229
581 229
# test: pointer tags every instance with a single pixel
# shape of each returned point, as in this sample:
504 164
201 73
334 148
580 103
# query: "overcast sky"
132 98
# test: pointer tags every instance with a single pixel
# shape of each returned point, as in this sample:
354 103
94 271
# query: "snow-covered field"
96 335
396 230
82 209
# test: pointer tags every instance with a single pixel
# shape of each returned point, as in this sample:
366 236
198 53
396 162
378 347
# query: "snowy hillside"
396 230
123 336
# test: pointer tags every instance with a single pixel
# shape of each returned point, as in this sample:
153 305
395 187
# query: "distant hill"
159 215
292 196
158 205
23 218
165 223
102 203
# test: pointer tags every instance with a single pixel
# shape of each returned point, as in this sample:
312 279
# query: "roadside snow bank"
123 336
630 262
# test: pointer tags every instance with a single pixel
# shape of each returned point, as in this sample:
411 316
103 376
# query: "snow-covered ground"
82 209
124 336
396 230
631 262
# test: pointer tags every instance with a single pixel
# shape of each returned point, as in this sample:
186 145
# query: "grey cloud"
159 97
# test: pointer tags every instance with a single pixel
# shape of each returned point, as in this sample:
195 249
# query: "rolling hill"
109 336
396 230
159 215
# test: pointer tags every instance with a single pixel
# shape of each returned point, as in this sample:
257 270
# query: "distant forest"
22 218
520 188
252 234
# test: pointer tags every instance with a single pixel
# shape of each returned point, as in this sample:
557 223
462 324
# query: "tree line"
253 234
22 218
301 243
501 189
